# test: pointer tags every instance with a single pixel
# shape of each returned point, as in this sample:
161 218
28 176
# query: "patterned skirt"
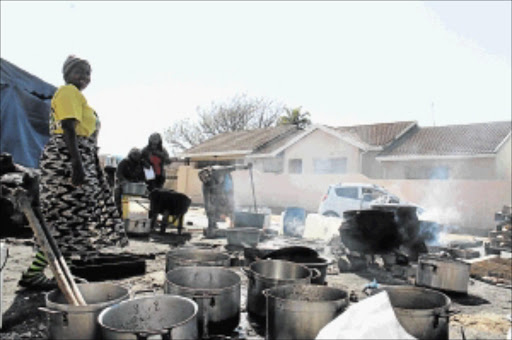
82 219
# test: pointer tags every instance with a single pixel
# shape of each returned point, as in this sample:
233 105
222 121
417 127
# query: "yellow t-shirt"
69 102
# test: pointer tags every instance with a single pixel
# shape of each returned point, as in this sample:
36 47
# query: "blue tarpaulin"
25 108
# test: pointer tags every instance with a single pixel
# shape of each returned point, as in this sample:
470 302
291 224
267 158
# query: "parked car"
356 196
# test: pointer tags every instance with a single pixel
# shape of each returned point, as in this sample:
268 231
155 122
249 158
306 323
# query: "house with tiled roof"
471 151
395 150
317 149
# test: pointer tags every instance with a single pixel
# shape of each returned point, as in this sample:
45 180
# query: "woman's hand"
78 173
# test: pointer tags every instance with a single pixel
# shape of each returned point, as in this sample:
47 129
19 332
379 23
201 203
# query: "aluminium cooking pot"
264 274
305 256
150 317
216 291
301 311
423 313
186 257
443 273
66 321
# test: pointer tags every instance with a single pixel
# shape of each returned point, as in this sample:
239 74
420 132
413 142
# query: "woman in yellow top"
76 200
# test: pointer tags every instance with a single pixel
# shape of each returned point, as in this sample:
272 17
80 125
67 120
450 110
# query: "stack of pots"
305 256
66 321
265 274
216 290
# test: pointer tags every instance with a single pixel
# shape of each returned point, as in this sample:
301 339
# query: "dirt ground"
481 314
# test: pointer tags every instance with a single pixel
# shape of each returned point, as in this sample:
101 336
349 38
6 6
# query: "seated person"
129 170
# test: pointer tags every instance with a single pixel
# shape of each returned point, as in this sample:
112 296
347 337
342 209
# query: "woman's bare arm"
78 173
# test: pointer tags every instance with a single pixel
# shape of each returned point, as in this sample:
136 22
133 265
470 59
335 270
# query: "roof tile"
471 139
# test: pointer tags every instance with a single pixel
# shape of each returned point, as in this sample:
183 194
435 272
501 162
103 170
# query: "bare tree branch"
238 113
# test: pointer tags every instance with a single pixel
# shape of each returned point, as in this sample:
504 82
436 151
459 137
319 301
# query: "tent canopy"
25 108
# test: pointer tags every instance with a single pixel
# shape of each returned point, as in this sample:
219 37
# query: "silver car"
353 196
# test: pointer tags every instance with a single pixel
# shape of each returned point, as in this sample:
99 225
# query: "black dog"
168 203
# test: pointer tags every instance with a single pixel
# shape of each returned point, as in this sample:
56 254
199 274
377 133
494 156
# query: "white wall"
470 204
504 160
319 144
466 168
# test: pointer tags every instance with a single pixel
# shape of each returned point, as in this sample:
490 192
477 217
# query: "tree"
295 117
238 113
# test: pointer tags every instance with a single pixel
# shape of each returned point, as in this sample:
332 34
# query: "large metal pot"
215 290
305 256
150 317
266 274
301 311
443 273
423 313
66 321
370 231
196 257
244 237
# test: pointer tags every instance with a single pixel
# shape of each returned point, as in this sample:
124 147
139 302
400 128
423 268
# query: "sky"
347 63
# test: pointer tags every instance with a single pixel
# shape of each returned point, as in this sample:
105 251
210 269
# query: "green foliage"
295 117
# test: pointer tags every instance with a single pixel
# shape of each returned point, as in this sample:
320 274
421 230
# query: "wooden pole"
60 258
55 259
253 193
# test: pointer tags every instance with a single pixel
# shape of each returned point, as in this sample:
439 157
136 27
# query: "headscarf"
157 138
134 154
71 62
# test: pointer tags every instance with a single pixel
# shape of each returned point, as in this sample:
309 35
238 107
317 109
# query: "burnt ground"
482 313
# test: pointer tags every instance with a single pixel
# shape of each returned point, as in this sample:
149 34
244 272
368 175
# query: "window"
273 165
347 192
295 166
330 165
374 193
440 172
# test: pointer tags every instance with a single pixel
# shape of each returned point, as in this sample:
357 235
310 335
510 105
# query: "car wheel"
331 214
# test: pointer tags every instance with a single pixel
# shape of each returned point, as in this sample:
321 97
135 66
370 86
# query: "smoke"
435 234
442 214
